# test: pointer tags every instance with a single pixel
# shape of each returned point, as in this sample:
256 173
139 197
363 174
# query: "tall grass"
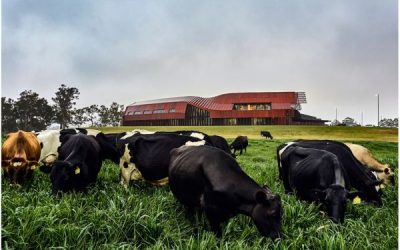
147 217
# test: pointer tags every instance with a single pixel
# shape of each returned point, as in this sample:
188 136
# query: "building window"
252 106
147 112
172 110
137 113
159 111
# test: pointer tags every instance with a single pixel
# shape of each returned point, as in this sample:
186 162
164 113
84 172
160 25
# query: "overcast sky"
341 53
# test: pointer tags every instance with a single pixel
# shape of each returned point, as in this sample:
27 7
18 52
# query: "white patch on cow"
283 150
197 135
50 139
17 164
195 143
142 132
93 132
129 173
128 134
377 187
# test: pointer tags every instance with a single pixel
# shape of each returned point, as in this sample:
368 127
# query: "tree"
79 117
33 112
91 114
64 103
9 118
104 115
116 112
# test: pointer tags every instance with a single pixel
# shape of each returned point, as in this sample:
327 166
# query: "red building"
253 108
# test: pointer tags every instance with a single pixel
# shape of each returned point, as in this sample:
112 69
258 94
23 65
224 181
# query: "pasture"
108 217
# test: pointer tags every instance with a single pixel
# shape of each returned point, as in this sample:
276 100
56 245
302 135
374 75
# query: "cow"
363 155
210 179
20 155
266 134
146 157
78 164
239 143
316 175
361 178
113 138
51 141
221 143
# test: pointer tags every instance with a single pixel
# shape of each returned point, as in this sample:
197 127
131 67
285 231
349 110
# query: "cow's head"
63 176
267 213
18 170
335 199
387 175
20 155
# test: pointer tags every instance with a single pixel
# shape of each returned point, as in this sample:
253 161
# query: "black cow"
146 156
210 179
266 134
78 164
113 138
239 143
221 143
361 178
316 175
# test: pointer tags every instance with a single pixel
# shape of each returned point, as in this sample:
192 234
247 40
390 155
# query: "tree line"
32 112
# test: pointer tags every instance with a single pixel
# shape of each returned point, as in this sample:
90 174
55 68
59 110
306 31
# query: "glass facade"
252 106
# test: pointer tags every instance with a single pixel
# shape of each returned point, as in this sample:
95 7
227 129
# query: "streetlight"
378 108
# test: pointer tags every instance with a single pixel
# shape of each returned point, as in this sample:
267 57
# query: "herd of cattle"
201 170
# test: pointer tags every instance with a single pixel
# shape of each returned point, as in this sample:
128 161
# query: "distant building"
253 108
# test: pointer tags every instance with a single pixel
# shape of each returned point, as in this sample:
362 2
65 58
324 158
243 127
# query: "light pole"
378 108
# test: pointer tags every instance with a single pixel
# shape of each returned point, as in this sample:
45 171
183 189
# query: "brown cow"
364 156
20 156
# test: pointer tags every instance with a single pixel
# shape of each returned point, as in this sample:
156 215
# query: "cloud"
341 53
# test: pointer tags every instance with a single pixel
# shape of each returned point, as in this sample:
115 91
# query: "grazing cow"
113 138
221 143
361 178
210 179
147 156
78 164
239 143
266 134
316 175
363 155
20 155
51 140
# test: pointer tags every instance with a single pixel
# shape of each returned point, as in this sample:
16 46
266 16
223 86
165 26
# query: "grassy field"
285 132
108 217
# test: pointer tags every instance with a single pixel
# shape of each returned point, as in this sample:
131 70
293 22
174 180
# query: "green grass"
284 132
147 217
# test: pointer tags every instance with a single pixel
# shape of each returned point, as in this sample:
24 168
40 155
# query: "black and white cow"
240 143
146 156
78 164
316 175
51 140
266 134
361 178
210 179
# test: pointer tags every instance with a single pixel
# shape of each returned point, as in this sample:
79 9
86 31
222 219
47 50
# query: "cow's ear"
261 197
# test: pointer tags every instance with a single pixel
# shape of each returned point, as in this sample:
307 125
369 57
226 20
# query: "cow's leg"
241 151
214 220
